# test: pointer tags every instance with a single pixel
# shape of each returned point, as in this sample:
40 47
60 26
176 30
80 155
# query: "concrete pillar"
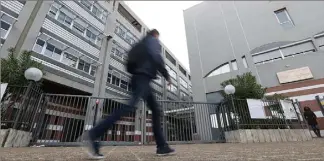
138 129
102 72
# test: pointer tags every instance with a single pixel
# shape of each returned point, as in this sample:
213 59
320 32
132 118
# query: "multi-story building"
83 46
280 42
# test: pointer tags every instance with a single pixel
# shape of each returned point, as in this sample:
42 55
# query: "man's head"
306 108
155 33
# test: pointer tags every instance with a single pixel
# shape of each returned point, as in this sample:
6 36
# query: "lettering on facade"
294 75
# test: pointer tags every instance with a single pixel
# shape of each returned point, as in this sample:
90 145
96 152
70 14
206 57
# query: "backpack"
136 56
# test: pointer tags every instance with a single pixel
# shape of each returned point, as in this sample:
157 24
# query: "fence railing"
60 120
19 106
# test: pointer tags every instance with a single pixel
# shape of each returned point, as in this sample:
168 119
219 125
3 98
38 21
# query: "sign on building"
294 75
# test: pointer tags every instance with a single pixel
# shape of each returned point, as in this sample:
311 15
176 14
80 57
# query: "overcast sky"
167 17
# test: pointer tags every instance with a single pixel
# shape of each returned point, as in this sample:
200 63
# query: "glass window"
69 60
284 18
57 54
123 84
64 19
53 11
78 27
49 50
99 40
86 3
173 88
183 83
5 25
220 70
172 73
109 77
115 78
118 53
40 42
94 10
84 66
91 35
234 65
93 70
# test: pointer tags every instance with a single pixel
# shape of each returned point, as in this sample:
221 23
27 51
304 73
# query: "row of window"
183 83
95 8
172 73
50 50
124 33
118 51
173 88
63 15
119 80
6 24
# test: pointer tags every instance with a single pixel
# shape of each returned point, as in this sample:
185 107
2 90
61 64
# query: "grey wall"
314 61
218 32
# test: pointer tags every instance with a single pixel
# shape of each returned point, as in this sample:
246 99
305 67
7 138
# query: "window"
182 70
86 3
189 77
64 19
4 29
69 60
53 52
84 66
172 73
78 27
95 10
93 70
39 46
172 88
91 36
53 11
183 95
245 62
220 70
124 83
170 58
109 77
115 78
234 64
284 18
183 83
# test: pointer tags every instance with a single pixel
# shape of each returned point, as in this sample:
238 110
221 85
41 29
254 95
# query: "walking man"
144 63
311 119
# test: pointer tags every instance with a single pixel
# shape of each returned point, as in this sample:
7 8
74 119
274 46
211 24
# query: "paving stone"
274 151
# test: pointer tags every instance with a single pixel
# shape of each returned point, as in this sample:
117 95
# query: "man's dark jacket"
151 61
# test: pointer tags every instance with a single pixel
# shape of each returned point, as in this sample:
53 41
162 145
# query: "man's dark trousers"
141 89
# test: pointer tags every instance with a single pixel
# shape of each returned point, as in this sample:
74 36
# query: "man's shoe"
93 147
96 156
164 151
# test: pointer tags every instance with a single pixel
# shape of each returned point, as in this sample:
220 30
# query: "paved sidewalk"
289 151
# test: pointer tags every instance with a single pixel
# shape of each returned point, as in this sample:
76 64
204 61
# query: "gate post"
143 125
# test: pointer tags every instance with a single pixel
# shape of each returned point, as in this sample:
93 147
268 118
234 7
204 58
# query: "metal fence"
60 120
19 106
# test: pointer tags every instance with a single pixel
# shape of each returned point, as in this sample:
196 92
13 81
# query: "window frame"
285 11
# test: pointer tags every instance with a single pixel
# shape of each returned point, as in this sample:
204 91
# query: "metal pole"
236 111
22 105
96 113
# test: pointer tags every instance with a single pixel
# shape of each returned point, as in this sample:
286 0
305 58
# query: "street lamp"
229 89
33 74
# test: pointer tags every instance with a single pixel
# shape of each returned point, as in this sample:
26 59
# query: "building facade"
83 46
280 42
